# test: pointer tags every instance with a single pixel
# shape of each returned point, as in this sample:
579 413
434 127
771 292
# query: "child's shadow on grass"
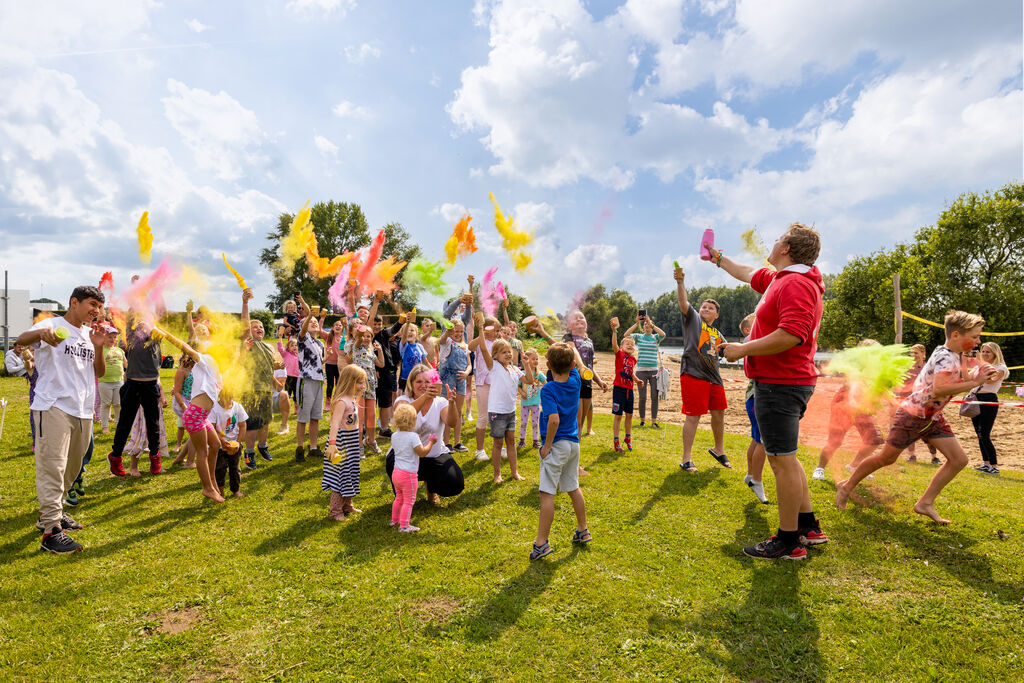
771 635
678 482
509 604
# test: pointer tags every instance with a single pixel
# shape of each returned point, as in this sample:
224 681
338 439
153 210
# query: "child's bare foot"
582 473
591 432
105 430
433 499
928 510
190 465
498 479
338 517
518 477
213 495
134 471
350 510
842 495
177 461
239 494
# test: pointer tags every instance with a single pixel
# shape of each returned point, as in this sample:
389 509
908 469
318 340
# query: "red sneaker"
615 444
813 536
154 465
116 468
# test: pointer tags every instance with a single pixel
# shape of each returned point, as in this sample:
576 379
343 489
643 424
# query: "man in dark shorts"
387 382
780 360
260 362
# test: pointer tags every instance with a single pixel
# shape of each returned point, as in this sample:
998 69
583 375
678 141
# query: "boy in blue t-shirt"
560 454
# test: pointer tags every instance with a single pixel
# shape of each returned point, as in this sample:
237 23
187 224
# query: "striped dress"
343 478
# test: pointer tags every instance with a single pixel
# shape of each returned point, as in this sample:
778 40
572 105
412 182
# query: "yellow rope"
941 326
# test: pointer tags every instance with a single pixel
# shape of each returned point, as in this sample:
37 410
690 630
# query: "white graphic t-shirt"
227 420
67 380
923 402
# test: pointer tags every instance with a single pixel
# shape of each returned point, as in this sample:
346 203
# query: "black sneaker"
72 497
384 433
250 460
59 543
641 423
315 454
774 549
460 447
936 461
264 452
300 454
66 523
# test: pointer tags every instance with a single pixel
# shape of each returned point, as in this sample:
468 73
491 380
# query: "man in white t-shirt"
69 356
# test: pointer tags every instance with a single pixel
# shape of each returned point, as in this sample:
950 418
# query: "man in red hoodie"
780 360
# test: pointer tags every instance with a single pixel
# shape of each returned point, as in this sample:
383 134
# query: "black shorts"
259 410
385 388
289 386
587 389
622 401
778 408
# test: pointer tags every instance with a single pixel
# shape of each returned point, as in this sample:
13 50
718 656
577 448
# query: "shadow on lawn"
770 635
677 482
509 604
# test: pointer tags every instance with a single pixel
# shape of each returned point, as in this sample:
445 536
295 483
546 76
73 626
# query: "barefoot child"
341 461
529 395
181 393
228 418
920 414
368 355
453 364
622 387
560 454
310 390
206 385
408 448
501 403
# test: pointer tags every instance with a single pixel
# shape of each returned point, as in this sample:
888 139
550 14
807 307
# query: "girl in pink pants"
408 450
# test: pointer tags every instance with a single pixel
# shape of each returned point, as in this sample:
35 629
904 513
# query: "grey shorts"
310 393
501 423
560 470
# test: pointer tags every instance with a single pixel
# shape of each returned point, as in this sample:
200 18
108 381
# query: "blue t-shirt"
412 355
562 398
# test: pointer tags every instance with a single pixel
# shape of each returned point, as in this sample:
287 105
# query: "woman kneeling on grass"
438 470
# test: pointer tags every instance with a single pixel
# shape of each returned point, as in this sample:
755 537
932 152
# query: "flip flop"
688 466
722 459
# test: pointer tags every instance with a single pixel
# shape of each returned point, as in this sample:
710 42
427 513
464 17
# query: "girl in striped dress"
344 450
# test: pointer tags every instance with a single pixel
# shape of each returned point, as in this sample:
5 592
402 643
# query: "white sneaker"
283 430
818 474
481 455
504 453
851 468
757 487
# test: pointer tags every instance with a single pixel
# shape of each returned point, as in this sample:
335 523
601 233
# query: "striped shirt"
647 350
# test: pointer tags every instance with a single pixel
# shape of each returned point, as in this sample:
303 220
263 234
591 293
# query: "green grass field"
172 587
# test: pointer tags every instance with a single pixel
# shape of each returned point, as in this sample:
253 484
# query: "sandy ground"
1008 433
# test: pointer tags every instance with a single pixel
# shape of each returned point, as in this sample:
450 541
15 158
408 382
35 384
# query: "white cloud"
557 103
346 109
533 215
358 55
197 26
67 25
326 147
310 9
597 258
223 135
451 212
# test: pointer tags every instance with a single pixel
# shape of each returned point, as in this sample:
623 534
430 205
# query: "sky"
616 131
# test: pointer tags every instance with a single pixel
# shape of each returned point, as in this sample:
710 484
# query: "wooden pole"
899 308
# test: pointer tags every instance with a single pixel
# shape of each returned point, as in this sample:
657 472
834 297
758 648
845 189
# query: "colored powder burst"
107 283
145 296
871 371
512 240
145 238
426 276
501 291
42 315
489 299
462 241
337 293
193 282
753 244
370 257
293 244
381 277
238 278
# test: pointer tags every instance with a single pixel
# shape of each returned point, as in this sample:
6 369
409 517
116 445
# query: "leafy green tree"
340 227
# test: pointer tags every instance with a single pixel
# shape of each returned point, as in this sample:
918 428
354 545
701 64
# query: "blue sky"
616 130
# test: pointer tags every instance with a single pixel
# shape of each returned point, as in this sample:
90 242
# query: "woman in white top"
983 421
438 470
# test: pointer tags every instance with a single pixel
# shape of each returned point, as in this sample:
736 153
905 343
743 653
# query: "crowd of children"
366 377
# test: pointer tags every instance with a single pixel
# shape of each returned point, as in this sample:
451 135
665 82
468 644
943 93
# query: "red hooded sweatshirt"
792 302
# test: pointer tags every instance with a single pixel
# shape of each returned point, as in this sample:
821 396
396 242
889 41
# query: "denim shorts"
778 409
501 423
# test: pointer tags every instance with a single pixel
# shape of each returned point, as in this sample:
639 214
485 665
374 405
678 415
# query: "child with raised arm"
648 363
310 390
529 395
410 348
920 415
513 330
501 403
368 355
453 366
408 448
289 351
487 329
427 328
228 418
206 386
344 450
560 454
622 386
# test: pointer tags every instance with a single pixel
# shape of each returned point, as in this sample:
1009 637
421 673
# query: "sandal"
582 537
540 551
722 459
688 466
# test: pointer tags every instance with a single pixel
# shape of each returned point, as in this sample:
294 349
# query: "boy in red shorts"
920 414
699 378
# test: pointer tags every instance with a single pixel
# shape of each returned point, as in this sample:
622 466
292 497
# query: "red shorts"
907 428
700 396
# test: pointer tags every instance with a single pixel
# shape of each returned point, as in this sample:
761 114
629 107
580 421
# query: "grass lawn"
267 587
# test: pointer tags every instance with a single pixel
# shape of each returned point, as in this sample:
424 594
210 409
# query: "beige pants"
483 392
61 442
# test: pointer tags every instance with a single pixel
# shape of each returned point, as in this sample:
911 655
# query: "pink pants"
531 413
406 484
